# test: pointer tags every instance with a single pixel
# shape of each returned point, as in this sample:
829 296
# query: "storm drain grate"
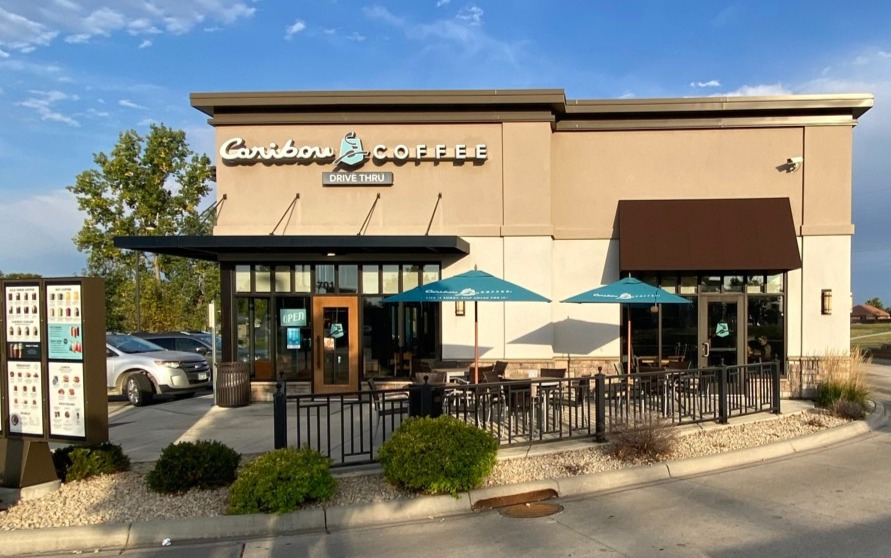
532 509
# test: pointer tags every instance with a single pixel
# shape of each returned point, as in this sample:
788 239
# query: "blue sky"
76 73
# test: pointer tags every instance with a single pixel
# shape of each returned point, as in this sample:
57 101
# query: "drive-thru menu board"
64 322
54 383
25 398
66 399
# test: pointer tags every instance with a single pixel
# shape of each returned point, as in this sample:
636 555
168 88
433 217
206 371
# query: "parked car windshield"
131 344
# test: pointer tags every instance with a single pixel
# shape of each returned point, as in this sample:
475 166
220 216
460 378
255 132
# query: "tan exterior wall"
258 194
541 211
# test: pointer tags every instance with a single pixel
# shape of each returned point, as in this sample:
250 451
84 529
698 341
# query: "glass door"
721 336
335 328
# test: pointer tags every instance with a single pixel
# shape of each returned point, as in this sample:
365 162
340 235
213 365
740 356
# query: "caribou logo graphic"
351 153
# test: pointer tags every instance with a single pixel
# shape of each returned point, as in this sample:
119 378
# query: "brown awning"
705 235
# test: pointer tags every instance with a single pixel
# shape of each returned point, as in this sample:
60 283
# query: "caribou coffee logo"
236 151
351 153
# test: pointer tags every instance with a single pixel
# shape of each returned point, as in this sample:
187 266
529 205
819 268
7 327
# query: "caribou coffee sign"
350 156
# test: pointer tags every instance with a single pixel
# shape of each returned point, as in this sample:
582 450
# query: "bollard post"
280 416
426 398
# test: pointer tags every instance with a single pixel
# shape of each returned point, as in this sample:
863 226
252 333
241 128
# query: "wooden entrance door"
335 344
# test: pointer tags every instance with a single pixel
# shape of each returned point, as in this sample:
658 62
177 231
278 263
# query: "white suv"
140 369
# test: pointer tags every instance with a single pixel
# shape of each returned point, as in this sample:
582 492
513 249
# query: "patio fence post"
722 394
426 398
279 417
775 372
599 406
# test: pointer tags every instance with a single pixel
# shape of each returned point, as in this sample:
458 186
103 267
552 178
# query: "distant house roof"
871 312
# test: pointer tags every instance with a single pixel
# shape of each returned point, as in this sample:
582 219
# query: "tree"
148 185
876 302
20 275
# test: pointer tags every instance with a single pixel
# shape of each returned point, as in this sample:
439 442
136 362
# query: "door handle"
705 349
318 349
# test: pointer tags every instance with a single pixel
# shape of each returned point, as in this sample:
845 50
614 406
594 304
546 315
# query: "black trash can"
425 400
233 384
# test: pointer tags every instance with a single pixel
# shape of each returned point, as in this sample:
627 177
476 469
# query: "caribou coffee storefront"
327 203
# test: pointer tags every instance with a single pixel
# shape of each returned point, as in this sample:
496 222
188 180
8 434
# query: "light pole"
138 315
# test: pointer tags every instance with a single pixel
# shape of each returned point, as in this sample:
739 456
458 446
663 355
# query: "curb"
141 534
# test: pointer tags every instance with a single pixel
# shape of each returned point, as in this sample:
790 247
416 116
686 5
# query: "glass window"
410 276
669 283
734 283
302 279
282 279
431 273
755 283
262 278
688 284
711 284
242 278
371 279
775 284
390 276
324 279
766 326
348 279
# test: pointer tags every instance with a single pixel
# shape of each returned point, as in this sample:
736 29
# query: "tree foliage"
876 302
149 185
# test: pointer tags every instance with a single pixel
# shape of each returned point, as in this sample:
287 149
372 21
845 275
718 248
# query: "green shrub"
186 465
281 481
829 393
842 381
646 440
75 463
440 455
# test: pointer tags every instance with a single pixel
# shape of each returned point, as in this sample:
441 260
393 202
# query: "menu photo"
66 399
65 341
24 396
22 314
63 304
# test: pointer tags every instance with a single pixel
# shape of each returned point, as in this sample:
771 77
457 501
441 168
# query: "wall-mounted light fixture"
459 307
826 302
794 163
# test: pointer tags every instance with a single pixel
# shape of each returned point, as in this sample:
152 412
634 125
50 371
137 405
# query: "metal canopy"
223 248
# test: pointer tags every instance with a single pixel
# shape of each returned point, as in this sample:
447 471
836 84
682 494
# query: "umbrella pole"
476 344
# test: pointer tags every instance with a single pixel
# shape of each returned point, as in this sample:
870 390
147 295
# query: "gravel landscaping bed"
124 497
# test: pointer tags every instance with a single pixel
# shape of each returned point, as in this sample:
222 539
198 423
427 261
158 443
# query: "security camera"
795 160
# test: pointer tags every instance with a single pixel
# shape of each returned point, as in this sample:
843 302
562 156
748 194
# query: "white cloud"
31 24
441 3
710 83
42 102
4 54
294 28
145 44
759 90
464 30
472 15
127 103
356 37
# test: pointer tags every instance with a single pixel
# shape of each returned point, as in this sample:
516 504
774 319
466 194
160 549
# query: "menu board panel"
63 318
66 399
24 395
22 314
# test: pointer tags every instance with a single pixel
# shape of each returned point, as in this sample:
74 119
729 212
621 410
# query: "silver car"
140 369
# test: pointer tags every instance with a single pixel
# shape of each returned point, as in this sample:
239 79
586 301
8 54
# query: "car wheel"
139 390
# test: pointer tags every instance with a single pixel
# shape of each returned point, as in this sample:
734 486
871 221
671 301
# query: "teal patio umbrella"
628 291
471 286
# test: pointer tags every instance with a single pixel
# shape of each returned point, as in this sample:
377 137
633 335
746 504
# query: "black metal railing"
349 428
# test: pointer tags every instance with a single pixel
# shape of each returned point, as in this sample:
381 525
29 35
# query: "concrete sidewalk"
144 432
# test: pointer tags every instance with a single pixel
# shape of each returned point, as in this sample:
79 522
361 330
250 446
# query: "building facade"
330 201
